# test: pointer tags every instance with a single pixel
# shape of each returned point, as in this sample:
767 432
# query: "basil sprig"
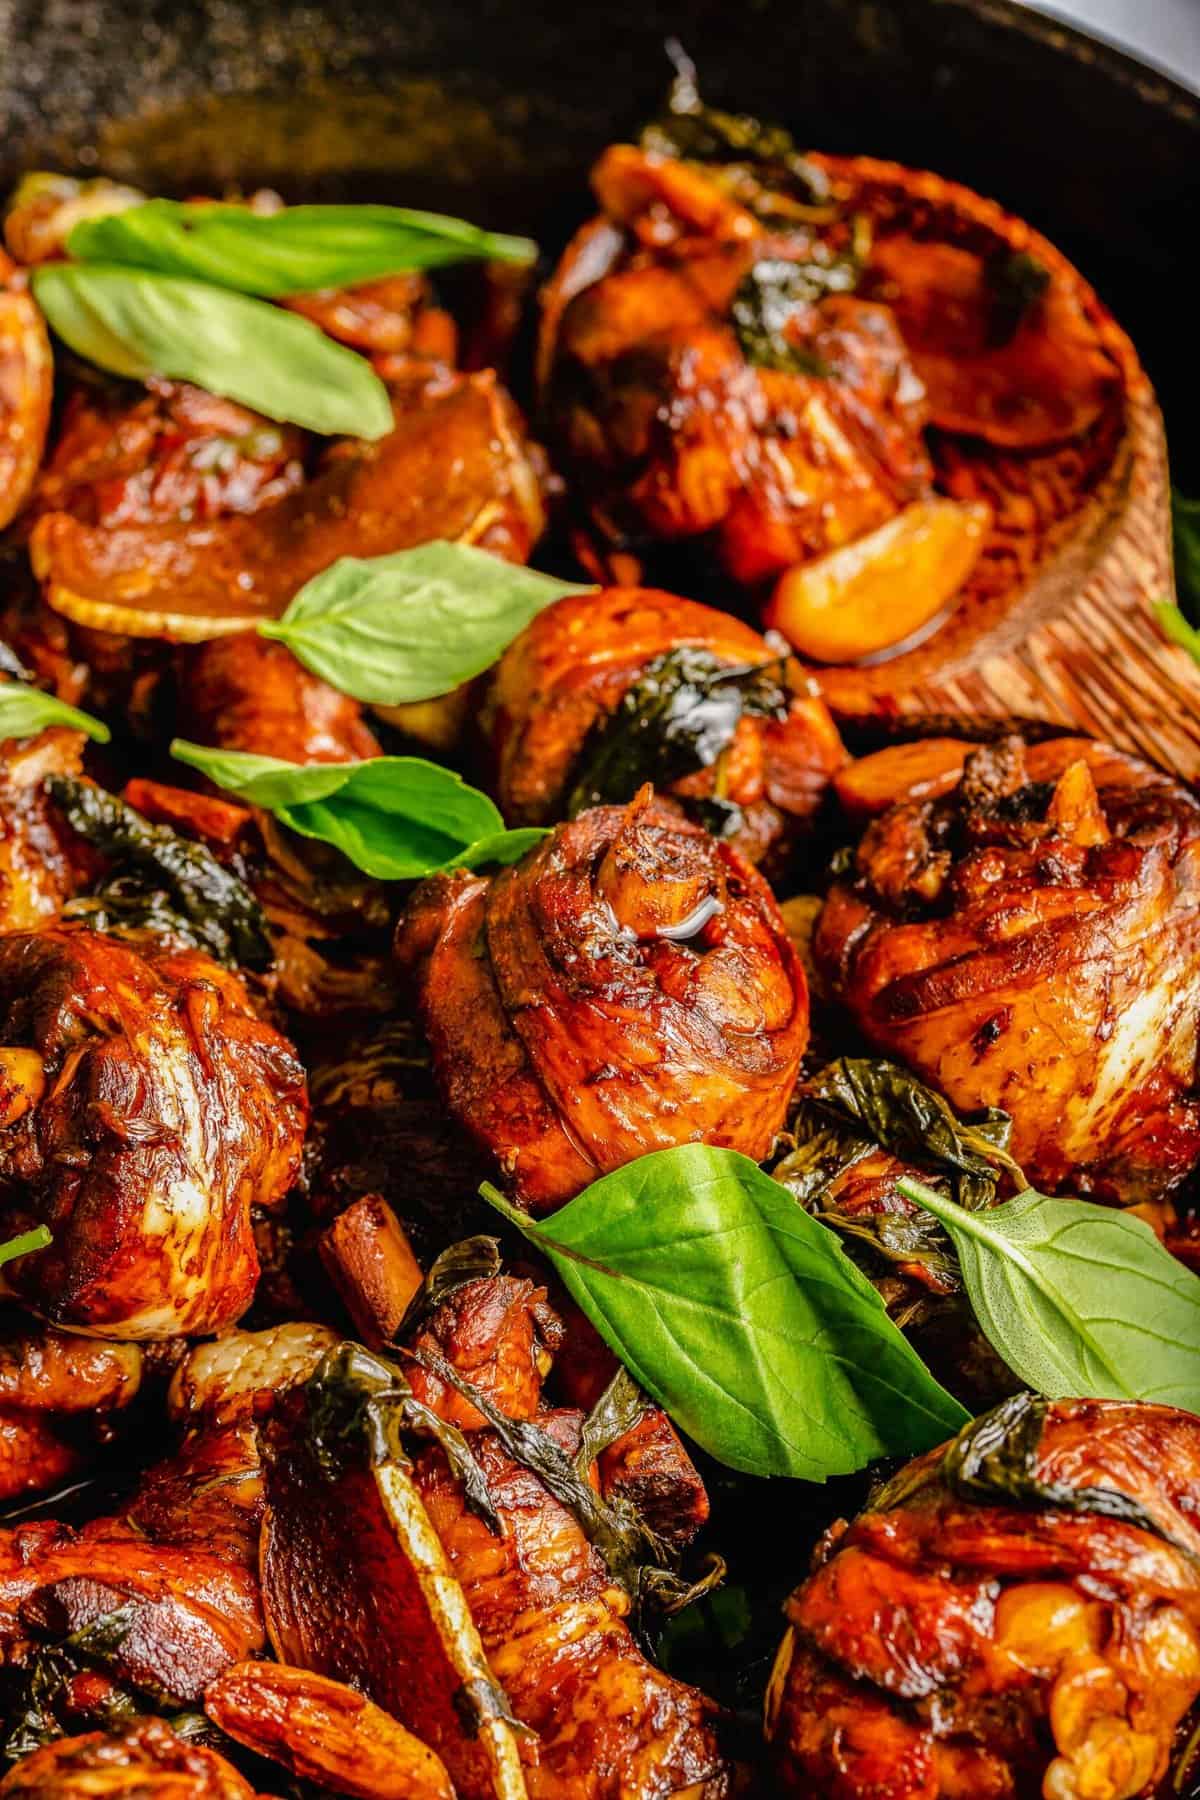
137 324
1079 1299
393 629
24 711
296 250
396 817
741 1315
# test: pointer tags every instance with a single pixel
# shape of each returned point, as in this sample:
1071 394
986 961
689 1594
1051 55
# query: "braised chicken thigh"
1022 935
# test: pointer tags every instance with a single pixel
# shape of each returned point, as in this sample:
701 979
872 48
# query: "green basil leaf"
741 1316
391 629
1079 1299
37 1239
396 817
24 711
297 250
138 324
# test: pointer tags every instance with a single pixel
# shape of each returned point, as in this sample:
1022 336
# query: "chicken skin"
706 373
638 990
1024 936
1016 1614
455 466
50 1380
541 1606
41 860
163 1110
146 1762
593 662
26 389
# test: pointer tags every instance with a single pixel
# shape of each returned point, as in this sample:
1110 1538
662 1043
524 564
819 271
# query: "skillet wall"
493 111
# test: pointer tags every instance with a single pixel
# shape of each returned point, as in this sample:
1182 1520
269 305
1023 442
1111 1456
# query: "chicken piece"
169 1109
1026 939
556 699
388 319
246 693
180 1557
41 860
329 927
379 1127
179 1562
548 1612
325 1732
707 373
47 1380
147 1761
1016 1614
646 1467
132 455
26 390
1004 344
638 991
455 466
238 1379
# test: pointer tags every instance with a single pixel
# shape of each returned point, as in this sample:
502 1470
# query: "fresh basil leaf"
391 629
24 711
138 324
741 1315
395 817
37 1239
297 250
1078 1299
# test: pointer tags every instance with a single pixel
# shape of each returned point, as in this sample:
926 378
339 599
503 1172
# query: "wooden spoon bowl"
1056 620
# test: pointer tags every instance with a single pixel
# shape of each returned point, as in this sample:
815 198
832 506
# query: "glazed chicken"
456 466
1022 933
638 990
1016 1614
707 373
55 1389
450 1619
145 1762
26 390
41 859
157 1108
606 690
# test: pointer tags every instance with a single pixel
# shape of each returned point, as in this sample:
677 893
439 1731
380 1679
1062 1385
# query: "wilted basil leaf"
158 880
1078 1299
395 817
897 1111
1016 282
24 711
769 297
741 1315
410 626
698 133
995 1458
678 716
139 324
296 250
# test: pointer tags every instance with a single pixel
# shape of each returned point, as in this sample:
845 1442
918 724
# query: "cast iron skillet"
495 108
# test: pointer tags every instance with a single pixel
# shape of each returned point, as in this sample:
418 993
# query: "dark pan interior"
495 109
